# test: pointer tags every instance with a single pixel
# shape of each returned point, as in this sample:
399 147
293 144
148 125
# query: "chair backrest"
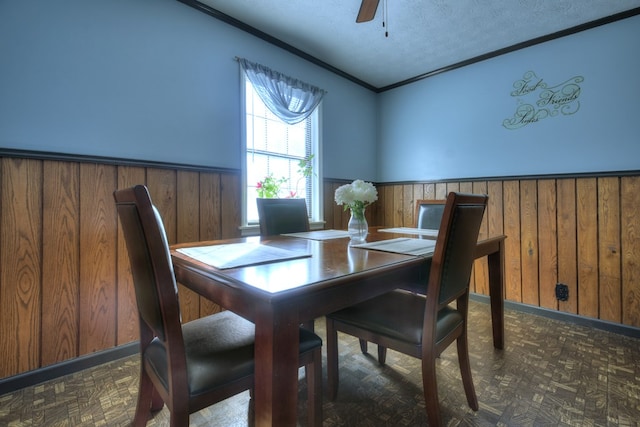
278 216
429 213
155 286
455 246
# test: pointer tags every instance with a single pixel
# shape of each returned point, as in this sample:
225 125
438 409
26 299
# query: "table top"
335 275
330 261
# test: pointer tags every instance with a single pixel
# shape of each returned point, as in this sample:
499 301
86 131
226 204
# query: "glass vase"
358 227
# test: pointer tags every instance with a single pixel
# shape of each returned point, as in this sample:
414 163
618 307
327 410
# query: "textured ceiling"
423 35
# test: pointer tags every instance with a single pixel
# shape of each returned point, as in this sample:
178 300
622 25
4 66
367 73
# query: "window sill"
254 230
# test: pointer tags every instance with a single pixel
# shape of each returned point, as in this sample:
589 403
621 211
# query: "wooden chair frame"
161 330
448 282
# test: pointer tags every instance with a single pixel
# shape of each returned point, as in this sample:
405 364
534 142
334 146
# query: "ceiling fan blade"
367 10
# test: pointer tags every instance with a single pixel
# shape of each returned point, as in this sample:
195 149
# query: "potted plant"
271 187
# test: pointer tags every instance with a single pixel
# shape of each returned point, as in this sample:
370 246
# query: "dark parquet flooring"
551 373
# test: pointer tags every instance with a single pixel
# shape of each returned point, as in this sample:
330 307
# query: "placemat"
320 234
402 245
410 230
240 254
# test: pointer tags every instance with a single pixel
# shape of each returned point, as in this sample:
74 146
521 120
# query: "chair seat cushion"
398 315
219 349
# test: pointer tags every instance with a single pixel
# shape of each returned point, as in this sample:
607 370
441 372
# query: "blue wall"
152 80
450 125
156 80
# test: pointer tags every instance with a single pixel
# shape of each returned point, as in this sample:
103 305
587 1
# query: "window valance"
290 99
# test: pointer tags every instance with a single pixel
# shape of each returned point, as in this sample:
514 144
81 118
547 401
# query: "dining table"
281 282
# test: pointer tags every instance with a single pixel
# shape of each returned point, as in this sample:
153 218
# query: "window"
275 148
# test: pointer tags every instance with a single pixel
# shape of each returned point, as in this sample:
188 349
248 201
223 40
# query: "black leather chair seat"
215 354
398 315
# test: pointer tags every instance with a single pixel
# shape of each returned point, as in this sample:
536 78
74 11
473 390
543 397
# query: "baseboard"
590 322
77 364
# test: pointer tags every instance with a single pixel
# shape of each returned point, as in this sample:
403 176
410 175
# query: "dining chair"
279 216
429 213
428 216
193 365
422 325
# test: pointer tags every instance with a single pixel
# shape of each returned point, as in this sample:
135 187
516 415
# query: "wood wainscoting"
582 231
65 284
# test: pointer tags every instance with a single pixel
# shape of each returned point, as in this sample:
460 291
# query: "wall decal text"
536 100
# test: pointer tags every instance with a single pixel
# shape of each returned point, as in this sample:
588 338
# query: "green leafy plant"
269 187
305 169
305 166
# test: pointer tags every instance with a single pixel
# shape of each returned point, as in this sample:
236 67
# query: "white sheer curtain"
290 99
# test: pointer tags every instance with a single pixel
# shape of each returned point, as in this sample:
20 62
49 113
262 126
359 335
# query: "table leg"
276 370
496 294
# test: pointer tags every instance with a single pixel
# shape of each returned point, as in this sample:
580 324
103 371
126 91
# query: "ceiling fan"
367 10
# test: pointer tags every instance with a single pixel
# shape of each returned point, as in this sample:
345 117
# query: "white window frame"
316 211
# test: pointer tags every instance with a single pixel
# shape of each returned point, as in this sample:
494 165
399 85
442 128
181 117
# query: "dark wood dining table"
279 296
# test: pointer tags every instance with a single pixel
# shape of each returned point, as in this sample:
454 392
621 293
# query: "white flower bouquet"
356 196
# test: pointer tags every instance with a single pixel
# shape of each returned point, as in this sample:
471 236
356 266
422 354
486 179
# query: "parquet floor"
551 373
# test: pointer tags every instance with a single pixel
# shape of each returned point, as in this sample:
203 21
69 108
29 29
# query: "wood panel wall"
580 231
65 285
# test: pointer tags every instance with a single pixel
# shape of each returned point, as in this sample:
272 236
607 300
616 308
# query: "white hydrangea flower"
356 195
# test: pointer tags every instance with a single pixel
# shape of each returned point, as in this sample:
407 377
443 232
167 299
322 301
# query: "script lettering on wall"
537 100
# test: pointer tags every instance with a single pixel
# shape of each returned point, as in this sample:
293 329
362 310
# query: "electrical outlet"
562 292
